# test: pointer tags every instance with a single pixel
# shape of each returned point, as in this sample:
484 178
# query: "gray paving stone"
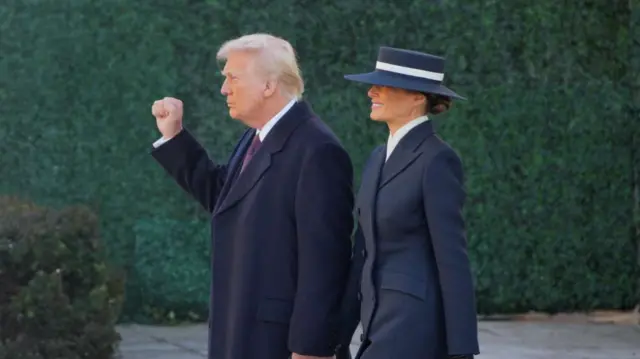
165 354
498 340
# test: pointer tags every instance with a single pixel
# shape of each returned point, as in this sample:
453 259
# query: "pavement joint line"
489 331
185 348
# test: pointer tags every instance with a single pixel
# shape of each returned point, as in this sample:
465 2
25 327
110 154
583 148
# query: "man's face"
243 86
389 104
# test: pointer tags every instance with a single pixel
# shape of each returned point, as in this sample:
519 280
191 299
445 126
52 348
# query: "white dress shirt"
262 132
401 132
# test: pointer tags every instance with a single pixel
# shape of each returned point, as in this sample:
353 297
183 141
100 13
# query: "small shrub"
59 299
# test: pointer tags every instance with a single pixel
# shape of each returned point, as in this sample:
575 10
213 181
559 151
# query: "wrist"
170 135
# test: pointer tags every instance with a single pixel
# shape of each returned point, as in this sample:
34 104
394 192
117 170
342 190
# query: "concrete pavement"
498 340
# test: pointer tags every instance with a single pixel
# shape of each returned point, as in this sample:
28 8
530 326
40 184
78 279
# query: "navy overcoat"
280 236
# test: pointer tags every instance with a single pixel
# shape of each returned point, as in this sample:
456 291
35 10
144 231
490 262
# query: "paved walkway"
498 340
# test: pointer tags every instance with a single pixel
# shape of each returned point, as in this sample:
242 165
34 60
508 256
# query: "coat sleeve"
444 198
184 159
324 222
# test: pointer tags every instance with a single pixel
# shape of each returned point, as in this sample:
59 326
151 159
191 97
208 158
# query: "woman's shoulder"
436 146
437 155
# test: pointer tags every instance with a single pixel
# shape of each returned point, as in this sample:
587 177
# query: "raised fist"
168 114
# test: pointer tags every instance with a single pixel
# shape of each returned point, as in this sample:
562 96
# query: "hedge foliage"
548 136
59 298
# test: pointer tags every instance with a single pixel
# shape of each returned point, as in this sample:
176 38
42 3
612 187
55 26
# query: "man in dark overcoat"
281 209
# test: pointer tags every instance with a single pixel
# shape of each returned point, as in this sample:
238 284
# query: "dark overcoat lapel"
406 152
235 163
261 161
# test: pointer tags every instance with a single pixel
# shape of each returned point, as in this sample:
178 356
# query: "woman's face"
390 104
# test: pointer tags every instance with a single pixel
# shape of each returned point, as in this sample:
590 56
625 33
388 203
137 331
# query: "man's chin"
238 117
233 114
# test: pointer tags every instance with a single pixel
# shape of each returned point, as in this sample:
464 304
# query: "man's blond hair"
276 57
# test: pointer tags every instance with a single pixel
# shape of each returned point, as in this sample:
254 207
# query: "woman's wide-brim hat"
409 70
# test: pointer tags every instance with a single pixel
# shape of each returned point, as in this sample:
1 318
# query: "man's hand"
168 114
298 356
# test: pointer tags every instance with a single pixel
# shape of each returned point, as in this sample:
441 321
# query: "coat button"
364 253
362 337
359 296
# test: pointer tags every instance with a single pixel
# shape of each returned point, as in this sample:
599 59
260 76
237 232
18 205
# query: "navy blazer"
411 278
281 234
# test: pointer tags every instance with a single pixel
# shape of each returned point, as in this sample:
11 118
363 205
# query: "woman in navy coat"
411 285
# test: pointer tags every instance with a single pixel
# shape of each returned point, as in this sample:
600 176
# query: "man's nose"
224 89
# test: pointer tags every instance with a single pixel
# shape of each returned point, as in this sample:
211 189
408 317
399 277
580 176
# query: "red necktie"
253 148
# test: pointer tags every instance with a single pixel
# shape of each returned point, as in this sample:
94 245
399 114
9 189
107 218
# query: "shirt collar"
262 133
401 132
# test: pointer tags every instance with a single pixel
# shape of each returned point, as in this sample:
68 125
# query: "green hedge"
634 115
547 136
172 274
